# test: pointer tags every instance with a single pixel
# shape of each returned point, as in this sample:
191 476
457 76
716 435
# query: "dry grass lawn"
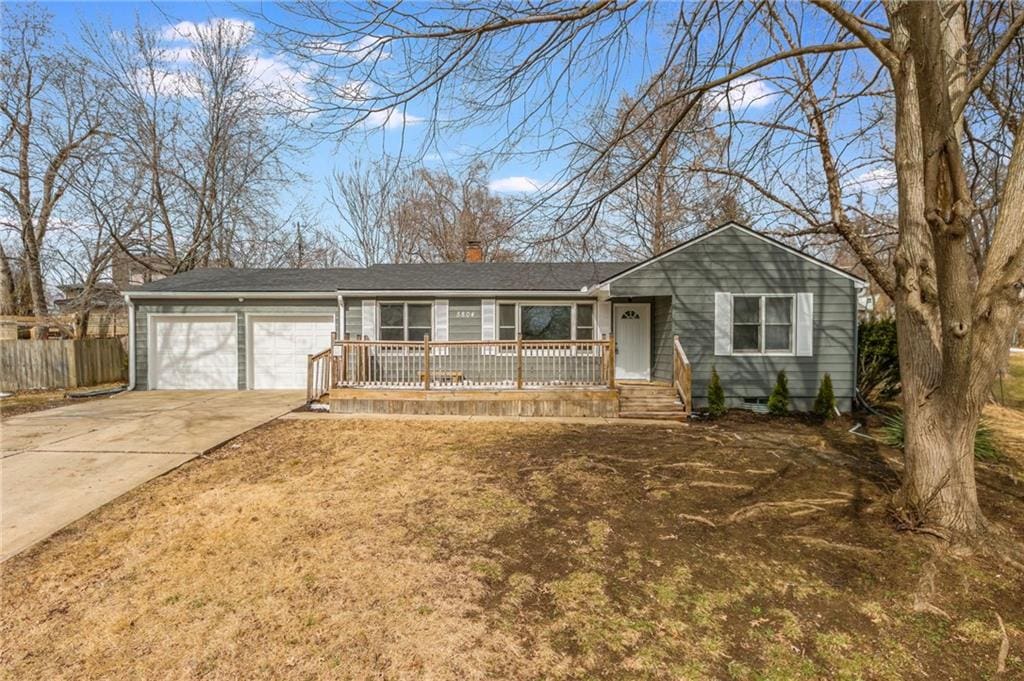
343 549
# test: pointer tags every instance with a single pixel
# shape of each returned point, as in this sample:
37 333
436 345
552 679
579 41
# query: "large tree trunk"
933 293
8 306
33 271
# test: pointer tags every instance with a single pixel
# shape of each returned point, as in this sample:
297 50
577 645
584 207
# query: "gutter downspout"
131 341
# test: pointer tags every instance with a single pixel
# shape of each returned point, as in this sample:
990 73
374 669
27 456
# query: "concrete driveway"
60 464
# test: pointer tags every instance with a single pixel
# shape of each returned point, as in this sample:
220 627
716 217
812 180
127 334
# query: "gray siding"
661 338
737 262
464 319
143 309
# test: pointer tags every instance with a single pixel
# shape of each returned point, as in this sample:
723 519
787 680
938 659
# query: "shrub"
985 447
778 401
716 395
878 362
825 402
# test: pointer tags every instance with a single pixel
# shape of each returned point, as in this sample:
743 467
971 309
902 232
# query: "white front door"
632 341
279 346
193 352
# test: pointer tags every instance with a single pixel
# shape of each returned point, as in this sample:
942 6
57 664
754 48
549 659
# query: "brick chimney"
474 251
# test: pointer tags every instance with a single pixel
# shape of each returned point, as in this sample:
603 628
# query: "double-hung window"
404 321
546 321
762 324
507 321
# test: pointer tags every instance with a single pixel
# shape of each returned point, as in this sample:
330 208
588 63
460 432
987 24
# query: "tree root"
721 485
1004 648
816 541
925 590
698 519
813 505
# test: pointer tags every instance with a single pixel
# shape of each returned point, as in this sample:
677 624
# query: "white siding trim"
488 320
604 319
369 311
723 323
804 324
440 320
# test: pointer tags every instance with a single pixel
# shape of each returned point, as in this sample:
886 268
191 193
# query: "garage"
279 346
193 352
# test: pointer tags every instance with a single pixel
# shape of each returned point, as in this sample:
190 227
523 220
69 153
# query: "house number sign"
466 314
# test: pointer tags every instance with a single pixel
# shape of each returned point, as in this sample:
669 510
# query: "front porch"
486 378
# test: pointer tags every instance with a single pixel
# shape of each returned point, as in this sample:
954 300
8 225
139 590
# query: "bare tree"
53 123
394 215
8 306
673 197
932 61
207 135
365 200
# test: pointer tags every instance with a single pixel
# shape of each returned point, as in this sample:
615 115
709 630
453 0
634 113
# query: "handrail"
319 374
474 364
682 375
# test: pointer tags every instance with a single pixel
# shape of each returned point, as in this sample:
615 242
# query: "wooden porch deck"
485 378
455 402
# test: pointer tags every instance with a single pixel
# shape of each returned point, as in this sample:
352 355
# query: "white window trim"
405 318
791 352
571 304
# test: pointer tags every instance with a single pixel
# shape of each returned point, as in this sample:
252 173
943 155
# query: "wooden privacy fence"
37 364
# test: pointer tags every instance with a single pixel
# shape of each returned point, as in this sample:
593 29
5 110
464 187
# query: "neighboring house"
736 300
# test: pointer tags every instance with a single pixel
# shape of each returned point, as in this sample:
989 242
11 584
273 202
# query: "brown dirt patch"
27 401
746 548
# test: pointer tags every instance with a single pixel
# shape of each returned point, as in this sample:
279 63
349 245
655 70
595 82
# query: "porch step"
650 401
674 415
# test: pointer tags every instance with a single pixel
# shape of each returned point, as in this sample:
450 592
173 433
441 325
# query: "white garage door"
280 346
194 352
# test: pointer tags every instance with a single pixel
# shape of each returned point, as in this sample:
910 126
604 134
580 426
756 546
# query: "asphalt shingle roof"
485 276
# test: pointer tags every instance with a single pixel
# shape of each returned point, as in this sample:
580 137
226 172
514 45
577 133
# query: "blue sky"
320 158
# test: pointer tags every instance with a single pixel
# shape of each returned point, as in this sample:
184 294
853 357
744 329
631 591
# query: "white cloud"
874 180
390 119
190 31
273 72
515 184
748 92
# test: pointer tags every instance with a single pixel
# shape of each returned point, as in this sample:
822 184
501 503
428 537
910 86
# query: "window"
584 322
762 324
507 321
545 322
404 321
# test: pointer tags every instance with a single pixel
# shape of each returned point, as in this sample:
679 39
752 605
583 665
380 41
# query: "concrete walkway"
60 464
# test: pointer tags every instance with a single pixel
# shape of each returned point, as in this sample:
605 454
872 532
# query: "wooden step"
661 415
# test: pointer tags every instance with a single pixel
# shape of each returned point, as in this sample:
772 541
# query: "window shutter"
369 308
723 323
804 324
487 319
440 321
604 319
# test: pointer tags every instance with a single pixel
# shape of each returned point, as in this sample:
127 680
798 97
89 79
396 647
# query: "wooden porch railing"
474 365
682 375
319 375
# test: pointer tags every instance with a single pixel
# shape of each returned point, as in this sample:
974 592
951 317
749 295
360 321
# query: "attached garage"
193 352
279 346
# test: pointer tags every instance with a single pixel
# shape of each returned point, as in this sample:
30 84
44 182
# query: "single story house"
731 298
